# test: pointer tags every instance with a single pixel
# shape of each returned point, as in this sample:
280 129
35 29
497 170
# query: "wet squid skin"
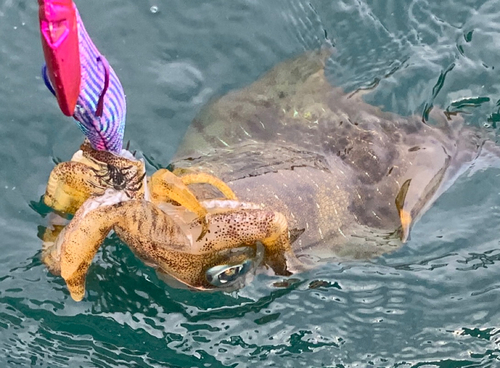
202 245
301 167
158 240
349 177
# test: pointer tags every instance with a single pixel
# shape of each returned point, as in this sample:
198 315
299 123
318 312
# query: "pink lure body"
58 27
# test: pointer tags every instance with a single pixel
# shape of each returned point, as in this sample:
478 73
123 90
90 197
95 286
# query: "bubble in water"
154 9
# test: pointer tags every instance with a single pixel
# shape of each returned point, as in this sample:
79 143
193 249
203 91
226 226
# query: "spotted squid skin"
162 242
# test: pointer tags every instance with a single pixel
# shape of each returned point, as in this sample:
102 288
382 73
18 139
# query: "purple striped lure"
100 108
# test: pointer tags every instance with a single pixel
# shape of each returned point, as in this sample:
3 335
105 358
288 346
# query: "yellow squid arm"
140 224
165 186
70 185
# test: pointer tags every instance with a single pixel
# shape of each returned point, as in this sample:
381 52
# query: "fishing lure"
81 79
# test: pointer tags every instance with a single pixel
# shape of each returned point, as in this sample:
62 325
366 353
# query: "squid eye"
225 275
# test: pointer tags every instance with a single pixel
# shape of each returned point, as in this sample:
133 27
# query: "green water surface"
433 303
